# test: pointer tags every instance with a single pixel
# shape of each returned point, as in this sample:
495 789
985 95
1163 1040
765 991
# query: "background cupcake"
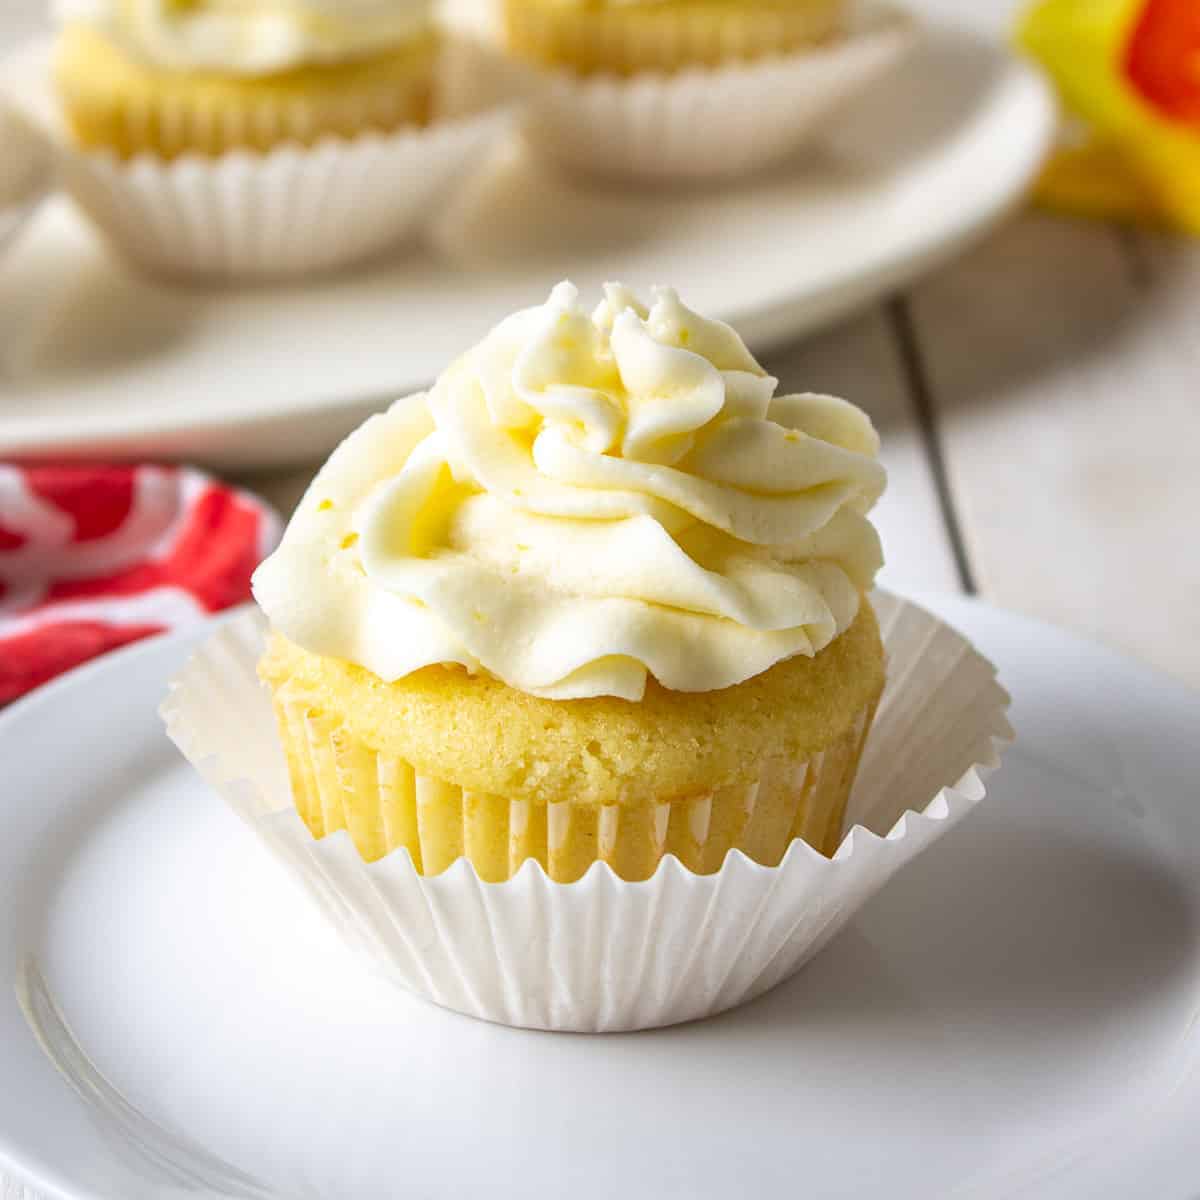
598 596
624 37
171 78
256 137
690 88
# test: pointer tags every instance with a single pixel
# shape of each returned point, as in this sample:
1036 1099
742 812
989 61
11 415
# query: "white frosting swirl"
250 37
581 501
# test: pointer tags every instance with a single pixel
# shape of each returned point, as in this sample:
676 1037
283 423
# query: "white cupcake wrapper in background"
291 211
602 954
703 123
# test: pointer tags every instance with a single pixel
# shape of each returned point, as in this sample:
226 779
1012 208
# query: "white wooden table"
1039 402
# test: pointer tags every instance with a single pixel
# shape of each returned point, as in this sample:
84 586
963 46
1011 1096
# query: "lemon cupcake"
624 37
598 595
170 77
569 665
689 89
250 138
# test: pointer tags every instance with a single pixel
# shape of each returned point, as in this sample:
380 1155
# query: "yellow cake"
213 76
445 763
624 37
599 595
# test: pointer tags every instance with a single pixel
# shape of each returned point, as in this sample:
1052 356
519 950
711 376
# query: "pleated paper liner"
602 953
699 123
113 102
293 210
337 782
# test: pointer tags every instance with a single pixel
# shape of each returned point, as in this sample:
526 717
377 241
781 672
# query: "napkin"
93 557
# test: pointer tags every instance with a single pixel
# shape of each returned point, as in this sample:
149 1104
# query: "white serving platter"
96 360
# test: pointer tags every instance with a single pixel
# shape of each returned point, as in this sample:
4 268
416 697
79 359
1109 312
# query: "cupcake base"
602 954
116 104
699 123
249 215
627 39
295 211
338 782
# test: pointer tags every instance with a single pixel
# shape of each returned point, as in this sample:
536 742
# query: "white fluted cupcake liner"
705 123
602 954
338 782
290 211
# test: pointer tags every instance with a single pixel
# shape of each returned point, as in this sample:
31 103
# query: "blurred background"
1033 367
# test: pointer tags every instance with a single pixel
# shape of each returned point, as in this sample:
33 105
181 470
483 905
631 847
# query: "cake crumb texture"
478 734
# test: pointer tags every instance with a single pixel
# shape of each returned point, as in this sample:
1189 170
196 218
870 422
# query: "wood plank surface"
861 361
1064 366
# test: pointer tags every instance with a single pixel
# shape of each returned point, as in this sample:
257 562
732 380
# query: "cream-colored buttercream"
583 500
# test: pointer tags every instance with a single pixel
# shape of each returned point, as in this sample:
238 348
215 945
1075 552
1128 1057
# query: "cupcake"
598 596
209 76
569 666
690 88
624 37
247 138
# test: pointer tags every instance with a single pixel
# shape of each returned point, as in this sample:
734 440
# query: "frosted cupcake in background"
575 712
599 595
691 88
624 37
252 138
208 76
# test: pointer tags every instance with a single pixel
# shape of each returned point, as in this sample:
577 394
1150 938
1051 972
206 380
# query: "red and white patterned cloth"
95 557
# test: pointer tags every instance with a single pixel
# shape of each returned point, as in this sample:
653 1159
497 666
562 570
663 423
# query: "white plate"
1044 1044
96 359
